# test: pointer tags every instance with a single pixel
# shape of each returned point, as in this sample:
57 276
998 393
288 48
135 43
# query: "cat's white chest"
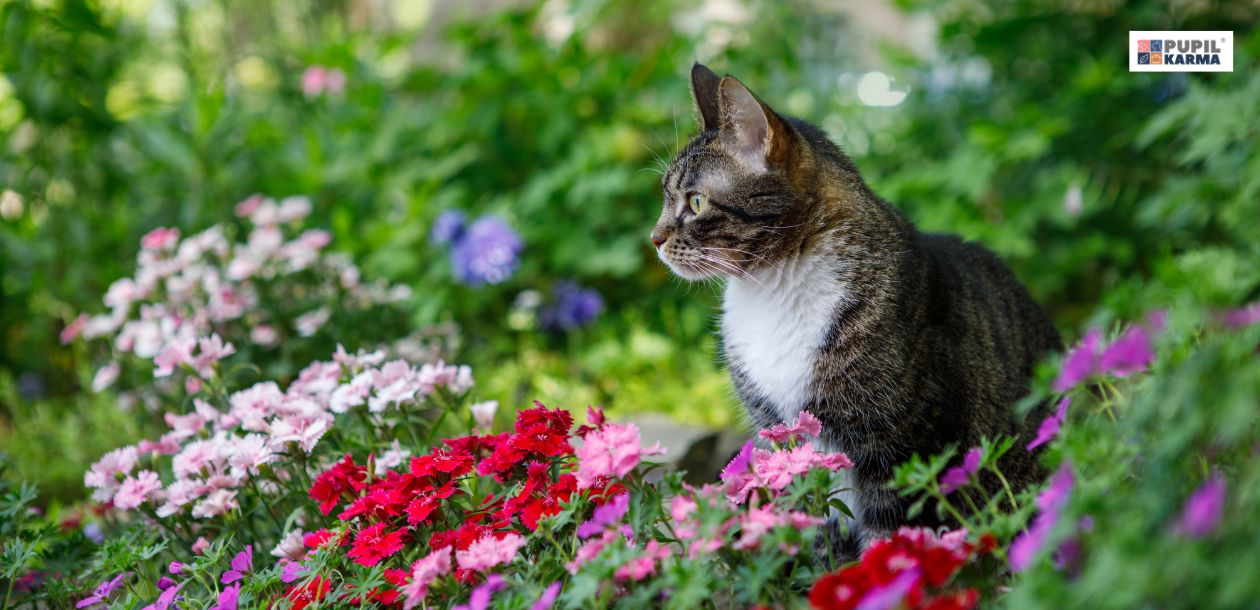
773 327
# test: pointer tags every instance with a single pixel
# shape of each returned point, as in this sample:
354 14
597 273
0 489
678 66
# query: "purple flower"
228 598
480 597
1050 426
608 514
241 564
573 306
1242 317
165 583
448 227
959 475
1055 496
1202 512
487 253
175 567
1080 362
890 596
165 600
547 598
93 532
103 591
1051 502
1129 354
1067 558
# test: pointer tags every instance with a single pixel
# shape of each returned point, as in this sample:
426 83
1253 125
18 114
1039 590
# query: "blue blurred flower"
572 306
486 253
448 227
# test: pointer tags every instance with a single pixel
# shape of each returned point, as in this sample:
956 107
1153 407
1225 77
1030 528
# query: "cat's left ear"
757 134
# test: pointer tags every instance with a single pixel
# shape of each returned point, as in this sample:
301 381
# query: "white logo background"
1224 41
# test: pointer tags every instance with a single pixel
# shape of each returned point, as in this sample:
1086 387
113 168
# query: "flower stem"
1006 486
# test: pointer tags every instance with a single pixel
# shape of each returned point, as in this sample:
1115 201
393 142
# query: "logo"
1199 51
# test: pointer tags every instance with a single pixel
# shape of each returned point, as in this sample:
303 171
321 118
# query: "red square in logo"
1144 46
1157 58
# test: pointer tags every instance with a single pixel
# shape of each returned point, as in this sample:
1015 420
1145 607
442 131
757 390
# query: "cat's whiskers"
731 268
752 254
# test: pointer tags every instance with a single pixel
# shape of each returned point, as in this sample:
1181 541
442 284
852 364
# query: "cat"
900 342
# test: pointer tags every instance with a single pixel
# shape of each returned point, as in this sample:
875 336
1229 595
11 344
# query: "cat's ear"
756 133
704 91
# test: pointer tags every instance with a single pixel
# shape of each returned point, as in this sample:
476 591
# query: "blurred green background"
1013 123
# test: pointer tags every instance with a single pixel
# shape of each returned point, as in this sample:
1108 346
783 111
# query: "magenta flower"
1050 426
293 571
1051 501
891 595
103 591
228 598
1242 317
1081 361
241 565
1203 509
547 598
605 516
480 597
166 600
740 463
960 475
1129 354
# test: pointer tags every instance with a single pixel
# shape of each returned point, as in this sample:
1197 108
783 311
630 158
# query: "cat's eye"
697 202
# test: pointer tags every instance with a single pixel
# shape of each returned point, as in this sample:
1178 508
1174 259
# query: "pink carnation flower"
423 572
135 490
106 473
610 451
644 565
806 426
74 328
219 502
160 238
489 552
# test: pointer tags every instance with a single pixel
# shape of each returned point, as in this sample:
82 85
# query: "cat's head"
737 197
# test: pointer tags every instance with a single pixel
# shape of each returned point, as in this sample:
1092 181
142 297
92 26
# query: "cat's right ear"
704 91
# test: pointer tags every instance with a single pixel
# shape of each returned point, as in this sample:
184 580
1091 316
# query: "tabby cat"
900 342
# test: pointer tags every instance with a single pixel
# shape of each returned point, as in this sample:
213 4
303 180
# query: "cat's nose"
657 239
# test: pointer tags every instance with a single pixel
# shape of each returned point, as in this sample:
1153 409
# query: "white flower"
247 453
291 546
483 413
391 458
309 323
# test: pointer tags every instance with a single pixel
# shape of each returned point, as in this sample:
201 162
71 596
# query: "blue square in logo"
1157 46
1144 58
